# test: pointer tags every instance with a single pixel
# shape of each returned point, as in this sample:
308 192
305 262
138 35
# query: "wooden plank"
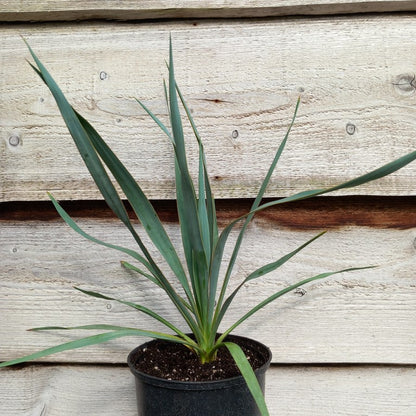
241 79
366 317
47 10
290 391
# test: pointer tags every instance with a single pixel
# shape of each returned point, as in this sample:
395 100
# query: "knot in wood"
300 291
405 84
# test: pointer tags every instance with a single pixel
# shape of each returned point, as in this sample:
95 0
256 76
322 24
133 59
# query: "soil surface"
173 361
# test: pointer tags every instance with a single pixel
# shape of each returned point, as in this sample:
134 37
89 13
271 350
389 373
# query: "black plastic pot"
229 397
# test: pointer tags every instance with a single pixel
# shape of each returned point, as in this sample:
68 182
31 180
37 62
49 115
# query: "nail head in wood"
14 140
350 128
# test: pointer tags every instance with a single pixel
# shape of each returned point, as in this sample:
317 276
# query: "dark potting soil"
174 361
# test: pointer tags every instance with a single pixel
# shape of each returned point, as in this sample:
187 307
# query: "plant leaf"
219 253
375 174
86 149
89 143
81 140
157 121
283 292
140 308
187 205
69 221
140 204
261 272
249 376
154 278
129 266
206 207
371 176
91 340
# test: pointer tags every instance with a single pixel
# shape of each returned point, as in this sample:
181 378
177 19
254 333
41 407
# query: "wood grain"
241 79
290 391
364 317
53 10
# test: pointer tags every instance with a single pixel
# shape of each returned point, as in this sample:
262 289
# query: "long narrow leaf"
202 209
261 272
106 327
155 278
371 176
249 376
129 266
69 221
195 253
87 141
140 308
91 340
86 150
210 201
283 292
157 121
219 253
99 327
375 174
81 140
275 264
140 204
151 223
207 210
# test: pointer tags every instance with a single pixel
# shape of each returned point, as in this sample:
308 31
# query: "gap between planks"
316 213
68 10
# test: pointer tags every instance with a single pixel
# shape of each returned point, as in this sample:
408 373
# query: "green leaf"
155 278
90 144
129 266
157 121
378 173
202 209
249 376
87 151
91 340
106 327
219 249
373 175
261 272
151 223
140 204
206 209
69 221
140 308
81 140
187 205
283 292
275 264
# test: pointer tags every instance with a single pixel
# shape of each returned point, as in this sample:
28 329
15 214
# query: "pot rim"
199 385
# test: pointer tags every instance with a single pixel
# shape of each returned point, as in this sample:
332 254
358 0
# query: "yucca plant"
204 299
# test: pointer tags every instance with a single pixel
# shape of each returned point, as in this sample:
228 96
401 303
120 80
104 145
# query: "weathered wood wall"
345 346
